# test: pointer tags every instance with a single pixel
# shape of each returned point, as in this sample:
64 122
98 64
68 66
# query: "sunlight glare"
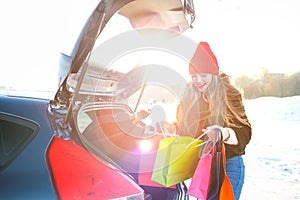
145 145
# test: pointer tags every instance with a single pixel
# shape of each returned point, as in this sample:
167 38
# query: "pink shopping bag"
200 183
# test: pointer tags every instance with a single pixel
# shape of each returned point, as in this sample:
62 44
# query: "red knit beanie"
204 61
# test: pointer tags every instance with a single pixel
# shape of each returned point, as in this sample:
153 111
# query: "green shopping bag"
176 160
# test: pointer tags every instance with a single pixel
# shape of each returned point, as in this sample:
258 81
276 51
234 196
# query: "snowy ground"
272 157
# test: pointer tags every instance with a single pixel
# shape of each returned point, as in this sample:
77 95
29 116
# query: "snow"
272 157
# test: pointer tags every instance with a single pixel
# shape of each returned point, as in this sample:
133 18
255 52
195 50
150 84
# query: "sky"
248 34
243 34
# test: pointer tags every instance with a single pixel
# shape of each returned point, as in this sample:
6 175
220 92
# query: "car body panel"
167 15
28 171
156 14
70 163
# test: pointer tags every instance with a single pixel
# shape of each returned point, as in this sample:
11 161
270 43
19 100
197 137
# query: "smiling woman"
97 107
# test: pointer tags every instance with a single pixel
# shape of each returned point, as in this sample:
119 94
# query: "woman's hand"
211 134
228 134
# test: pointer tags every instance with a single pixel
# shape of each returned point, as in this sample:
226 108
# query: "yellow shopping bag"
176 160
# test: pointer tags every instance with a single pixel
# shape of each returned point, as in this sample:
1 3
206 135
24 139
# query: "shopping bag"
210 180
226 192
176 160
146 164
200 182
220 186
216 175
145 171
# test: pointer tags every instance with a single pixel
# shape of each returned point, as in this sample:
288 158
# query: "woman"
211 101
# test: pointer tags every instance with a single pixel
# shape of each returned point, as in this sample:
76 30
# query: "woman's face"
201 81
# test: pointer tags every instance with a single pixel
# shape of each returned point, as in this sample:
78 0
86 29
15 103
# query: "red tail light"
76 174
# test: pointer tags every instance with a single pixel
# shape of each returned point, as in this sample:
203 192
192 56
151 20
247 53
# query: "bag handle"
211 144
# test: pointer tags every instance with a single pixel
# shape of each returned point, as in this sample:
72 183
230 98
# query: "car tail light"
77 174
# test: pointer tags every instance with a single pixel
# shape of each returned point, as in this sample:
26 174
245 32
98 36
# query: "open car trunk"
98 102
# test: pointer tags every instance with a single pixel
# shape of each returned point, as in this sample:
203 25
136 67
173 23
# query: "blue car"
115 90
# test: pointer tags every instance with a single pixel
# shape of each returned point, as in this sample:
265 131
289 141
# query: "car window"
15 134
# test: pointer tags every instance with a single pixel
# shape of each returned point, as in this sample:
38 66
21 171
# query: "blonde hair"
225 102
220 104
